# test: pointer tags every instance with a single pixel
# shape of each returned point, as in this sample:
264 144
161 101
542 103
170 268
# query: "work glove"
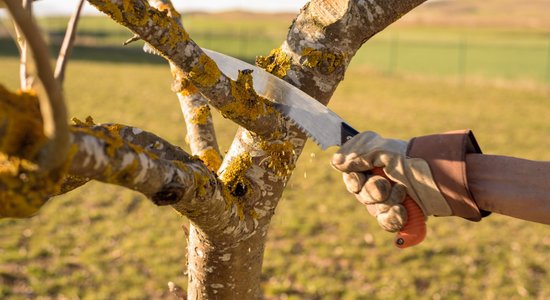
383 198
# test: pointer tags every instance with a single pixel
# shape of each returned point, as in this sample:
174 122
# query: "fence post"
208 39
548 62
394 54
244 43
462 59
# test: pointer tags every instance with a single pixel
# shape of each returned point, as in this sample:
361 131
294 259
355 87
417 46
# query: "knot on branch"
24 186
235 184
169 194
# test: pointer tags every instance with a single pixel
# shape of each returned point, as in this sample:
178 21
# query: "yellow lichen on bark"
211 159
88 122
205 72
24 187
112 139
168 7
136 14
21 126
280 156
201 181
325 62
185 88
111 9
276 62
248 105
200 115
175 33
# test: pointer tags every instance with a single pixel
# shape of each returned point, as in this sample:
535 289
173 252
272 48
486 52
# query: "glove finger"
394 219
354 181
350 163
372 209
375 190
397 195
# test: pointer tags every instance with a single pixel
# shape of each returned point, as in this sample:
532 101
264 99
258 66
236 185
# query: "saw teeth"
305 131
149 49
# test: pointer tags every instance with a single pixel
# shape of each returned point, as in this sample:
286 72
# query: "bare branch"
201 135
52 105
236 100
68 42
200 128
25 77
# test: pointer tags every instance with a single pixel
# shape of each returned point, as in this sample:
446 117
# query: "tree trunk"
224 271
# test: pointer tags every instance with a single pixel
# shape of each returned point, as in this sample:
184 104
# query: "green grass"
104 242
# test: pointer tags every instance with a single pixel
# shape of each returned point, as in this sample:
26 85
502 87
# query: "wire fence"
461 57
516 57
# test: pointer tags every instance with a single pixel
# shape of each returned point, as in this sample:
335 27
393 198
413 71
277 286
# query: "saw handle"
414 231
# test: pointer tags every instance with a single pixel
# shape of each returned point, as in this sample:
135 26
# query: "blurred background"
447 65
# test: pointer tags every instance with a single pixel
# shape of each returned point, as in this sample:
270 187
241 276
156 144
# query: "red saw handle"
414 231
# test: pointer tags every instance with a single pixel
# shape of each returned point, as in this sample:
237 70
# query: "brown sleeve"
446 155
511 186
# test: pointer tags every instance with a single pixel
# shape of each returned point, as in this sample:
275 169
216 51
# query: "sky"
52 7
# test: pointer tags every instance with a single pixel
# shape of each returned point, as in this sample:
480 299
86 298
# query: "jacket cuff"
446 155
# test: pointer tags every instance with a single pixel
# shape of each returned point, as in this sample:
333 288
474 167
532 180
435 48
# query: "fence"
462 57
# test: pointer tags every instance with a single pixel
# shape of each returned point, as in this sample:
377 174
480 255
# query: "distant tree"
229 200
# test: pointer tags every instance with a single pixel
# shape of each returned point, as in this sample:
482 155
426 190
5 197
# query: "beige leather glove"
412 176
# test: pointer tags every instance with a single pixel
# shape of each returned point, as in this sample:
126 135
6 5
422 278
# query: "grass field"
103 242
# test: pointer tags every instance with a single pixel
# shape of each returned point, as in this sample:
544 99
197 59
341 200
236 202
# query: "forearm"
510 186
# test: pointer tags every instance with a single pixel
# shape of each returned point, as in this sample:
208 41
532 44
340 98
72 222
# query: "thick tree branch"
118 155
110 153
52 105
68 42
102 154
325 36
235 99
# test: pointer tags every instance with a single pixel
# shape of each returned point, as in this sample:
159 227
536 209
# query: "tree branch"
68 42
200 128
236 100
25 78
201 135
52 105
325 36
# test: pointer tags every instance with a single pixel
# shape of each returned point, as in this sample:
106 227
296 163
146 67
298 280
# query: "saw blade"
317 121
